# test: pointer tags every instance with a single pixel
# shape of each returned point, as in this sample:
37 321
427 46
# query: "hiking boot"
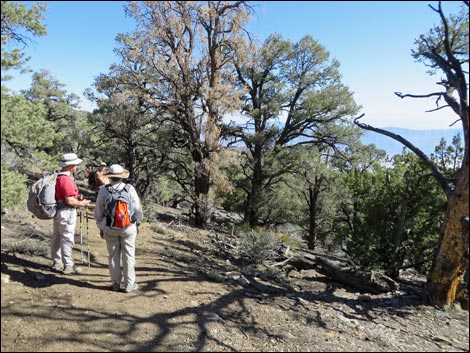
72 270
57 266
130 288
115 287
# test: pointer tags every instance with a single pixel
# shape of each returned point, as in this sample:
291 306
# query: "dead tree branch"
443 181
340 271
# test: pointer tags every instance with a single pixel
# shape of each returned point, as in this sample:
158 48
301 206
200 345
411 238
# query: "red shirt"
65 187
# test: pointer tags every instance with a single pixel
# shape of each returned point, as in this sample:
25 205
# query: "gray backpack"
119 210
41 199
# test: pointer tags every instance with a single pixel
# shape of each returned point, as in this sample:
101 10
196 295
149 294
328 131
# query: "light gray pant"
121 245
62 240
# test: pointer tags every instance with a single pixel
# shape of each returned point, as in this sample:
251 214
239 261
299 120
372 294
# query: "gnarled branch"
443 181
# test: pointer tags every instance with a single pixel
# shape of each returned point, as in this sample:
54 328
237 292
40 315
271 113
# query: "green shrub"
258 246
14 190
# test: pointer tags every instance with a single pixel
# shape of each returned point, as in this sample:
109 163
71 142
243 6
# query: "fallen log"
371 282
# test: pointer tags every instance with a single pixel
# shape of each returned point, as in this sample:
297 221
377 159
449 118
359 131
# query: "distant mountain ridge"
426 140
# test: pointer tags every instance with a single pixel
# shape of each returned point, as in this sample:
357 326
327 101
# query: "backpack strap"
131 204
60 174
111 189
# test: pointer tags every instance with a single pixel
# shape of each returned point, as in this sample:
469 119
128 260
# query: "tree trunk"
396 260
451 259
200 209
312 228
253 204
314 191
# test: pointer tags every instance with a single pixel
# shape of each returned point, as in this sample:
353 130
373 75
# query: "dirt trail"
187 301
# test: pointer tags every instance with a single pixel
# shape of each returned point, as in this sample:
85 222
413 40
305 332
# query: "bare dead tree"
446 49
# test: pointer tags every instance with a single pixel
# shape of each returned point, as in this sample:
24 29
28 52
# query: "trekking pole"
81 237
87 234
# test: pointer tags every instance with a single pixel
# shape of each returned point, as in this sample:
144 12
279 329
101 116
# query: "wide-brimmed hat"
103 164
116 171
69 159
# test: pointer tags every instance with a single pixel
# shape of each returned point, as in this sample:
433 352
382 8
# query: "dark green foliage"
292 95
449 158
18 23
234 201
394 214
14 190
26 134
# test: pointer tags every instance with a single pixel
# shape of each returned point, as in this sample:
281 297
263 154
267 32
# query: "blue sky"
372 40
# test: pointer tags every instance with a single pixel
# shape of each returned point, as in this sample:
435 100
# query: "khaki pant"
63 240
121 246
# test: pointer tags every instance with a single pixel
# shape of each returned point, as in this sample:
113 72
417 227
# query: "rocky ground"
194 297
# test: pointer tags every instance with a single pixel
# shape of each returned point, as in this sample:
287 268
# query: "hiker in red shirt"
68 199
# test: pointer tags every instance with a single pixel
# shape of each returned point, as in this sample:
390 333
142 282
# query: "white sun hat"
116 171
69 159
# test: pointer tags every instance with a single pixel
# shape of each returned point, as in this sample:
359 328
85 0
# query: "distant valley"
426 140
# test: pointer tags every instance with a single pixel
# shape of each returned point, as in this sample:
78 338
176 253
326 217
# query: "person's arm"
69 191
101 179
98 212
138 213
73 202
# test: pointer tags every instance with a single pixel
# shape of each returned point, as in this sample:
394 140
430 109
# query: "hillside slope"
193 296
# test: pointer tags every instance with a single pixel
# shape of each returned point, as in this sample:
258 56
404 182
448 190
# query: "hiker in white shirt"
120 241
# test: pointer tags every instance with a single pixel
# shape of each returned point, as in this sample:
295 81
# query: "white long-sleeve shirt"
100 217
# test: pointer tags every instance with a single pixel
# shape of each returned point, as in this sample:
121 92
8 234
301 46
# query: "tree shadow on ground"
33 275
192 326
